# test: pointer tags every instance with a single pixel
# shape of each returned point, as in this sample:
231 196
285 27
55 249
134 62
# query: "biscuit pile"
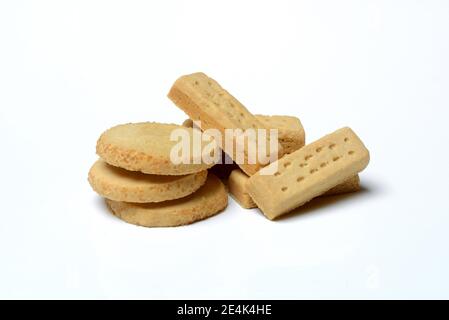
143 186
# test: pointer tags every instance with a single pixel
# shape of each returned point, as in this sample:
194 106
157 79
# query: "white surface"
69 70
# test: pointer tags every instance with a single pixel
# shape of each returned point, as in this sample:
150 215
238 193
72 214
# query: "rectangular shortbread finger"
237 189
291 137
291 133
203 99
350 185
308 172
238 179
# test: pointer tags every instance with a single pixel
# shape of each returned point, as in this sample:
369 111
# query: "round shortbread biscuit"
130 186
146 147
210 199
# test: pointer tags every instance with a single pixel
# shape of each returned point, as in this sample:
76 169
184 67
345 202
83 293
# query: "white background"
71 69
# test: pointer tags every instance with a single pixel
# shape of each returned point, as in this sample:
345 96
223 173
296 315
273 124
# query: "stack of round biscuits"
143 186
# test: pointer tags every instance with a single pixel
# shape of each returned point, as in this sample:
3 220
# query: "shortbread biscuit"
210 199
291 136
308 172
350 185
146 147
203 99
131 186
238 190
291 133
